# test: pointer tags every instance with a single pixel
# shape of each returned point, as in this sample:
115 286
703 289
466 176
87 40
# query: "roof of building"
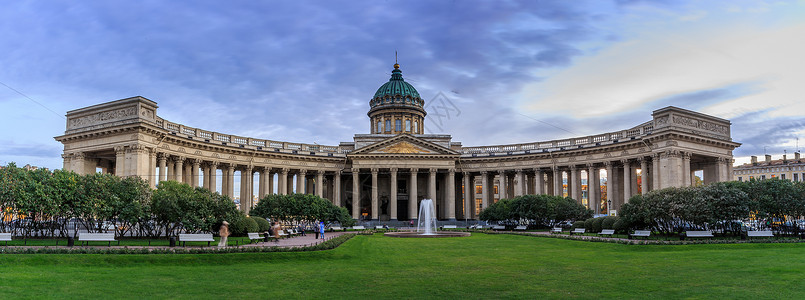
774 162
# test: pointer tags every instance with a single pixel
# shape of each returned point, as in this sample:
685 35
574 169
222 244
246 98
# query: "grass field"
480 266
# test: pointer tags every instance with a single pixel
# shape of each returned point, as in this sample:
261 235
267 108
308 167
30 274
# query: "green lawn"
377 267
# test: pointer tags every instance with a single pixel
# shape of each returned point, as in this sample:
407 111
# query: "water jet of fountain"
426 224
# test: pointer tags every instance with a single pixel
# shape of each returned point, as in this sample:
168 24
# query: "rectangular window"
388 126
379 127
479 189
408 125
796 177
398 125
740 178
782 176
762 177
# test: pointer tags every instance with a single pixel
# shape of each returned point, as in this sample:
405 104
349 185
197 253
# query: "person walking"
224 233
276 228
321 229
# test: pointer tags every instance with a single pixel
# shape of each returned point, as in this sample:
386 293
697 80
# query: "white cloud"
656 65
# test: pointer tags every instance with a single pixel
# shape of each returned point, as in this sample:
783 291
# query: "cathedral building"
383 174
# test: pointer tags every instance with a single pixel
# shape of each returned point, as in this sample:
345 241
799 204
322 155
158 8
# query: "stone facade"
384 176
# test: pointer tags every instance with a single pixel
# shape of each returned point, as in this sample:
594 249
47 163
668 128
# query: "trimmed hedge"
577 224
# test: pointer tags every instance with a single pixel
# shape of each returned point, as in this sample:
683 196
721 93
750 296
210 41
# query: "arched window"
408 125
388 126
416 127
378 128
398 125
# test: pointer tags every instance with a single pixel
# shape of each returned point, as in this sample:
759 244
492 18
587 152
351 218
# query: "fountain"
426 224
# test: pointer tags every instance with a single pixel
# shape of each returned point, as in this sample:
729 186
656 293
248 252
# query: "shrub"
241 226
597 225
262 224
608 222
620 226
577 224
588 225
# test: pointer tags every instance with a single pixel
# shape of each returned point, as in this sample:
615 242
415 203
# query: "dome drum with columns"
382 176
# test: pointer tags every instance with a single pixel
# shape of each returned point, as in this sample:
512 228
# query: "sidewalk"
297 241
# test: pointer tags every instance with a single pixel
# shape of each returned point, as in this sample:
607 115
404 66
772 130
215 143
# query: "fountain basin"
414 234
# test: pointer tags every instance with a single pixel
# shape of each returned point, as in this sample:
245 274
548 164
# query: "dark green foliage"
242 226
608 222
598 224
262 224
620 226
577 224
539 210
588 225
301 208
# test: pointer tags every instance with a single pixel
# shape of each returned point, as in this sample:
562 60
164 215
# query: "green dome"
396 86
396 91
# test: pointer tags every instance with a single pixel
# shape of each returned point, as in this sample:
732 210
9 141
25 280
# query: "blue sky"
304 71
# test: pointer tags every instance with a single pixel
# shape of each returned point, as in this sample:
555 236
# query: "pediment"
404 144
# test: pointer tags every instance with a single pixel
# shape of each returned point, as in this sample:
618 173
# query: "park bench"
556 230
254 236
697 234
6 237
498 227
335 228
282 233
196 237
759 233
379 227
608 232
96 237
578 231
449 227
640 233
521 227
358 227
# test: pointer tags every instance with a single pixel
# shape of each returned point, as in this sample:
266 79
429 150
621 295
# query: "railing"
239 140
637 131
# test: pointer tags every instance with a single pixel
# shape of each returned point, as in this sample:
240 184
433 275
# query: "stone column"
722 168
163 172
451 194
671 169
270 181
686 169
194 176
593 188
539 182
393 195
230 180
432 185
485 189
320 183
412 194
557 182
643 174
627 180
575 189
262 184
518 188
356 193
655 171
120 162
179 164
246 181
610 185
337 188
375 200
469 195
502 188
152 177
188 172
300 181
282 182
213 176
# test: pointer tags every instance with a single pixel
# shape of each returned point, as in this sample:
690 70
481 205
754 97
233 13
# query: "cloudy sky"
304 71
